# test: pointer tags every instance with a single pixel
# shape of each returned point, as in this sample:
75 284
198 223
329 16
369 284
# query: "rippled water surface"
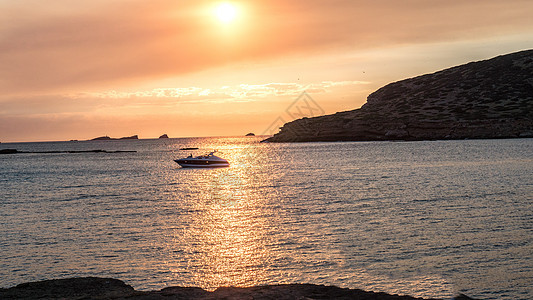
423 218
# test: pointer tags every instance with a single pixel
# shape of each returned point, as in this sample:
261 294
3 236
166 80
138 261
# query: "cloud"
65 45
242 92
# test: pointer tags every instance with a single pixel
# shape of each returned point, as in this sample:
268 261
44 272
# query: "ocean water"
429 218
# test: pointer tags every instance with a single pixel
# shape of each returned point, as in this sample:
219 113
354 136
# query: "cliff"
486 99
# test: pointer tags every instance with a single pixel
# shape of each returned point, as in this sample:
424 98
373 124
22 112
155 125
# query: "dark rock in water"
14 151
8 151
107 288
479 100
462 297
250 134
91 151
164 136
189 148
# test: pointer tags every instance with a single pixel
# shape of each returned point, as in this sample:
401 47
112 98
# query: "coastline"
488 99
109 288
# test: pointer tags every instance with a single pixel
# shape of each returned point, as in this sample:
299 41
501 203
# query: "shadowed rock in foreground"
486 99
107 288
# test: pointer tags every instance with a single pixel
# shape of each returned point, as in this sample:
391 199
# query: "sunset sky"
82 69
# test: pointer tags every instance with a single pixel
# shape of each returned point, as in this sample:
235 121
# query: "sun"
226 12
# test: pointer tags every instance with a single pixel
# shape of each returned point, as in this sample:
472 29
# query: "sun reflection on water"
405 218
227 236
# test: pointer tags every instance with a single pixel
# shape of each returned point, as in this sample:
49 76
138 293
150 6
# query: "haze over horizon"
221 68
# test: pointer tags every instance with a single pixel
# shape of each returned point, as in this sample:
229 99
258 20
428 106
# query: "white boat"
203 161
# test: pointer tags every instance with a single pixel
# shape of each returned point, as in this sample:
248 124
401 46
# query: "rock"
479 100
164 136
14 151
301 291
526 134
108 288
250 134
183 293
462 297
8 151
102 138
106 138
73 288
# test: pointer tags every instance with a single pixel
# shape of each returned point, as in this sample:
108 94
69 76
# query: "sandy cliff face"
486 99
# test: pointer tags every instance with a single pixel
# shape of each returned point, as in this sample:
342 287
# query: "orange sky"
81 69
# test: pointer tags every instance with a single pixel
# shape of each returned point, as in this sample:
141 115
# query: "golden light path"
229 230
228 236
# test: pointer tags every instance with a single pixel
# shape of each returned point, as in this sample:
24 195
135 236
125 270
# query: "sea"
425 218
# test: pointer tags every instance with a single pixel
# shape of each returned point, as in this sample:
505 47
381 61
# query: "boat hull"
201 164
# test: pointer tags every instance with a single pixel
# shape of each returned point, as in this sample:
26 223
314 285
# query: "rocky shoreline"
479 100
108 288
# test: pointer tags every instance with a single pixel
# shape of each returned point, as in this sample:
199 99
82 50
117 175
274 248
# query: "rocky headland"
479 100
108 288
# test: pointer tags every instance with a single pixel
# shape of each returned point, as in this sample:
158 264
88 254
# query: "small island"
107 138
250 134
164 136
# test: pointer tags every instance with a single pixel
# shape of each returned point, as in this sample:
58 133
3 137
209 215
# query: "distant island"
479 100
250 134
106 138
109 288
164 136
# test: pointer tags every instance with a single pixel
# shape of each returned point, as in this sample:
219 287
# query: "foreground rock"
107 288
74 288
486 99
